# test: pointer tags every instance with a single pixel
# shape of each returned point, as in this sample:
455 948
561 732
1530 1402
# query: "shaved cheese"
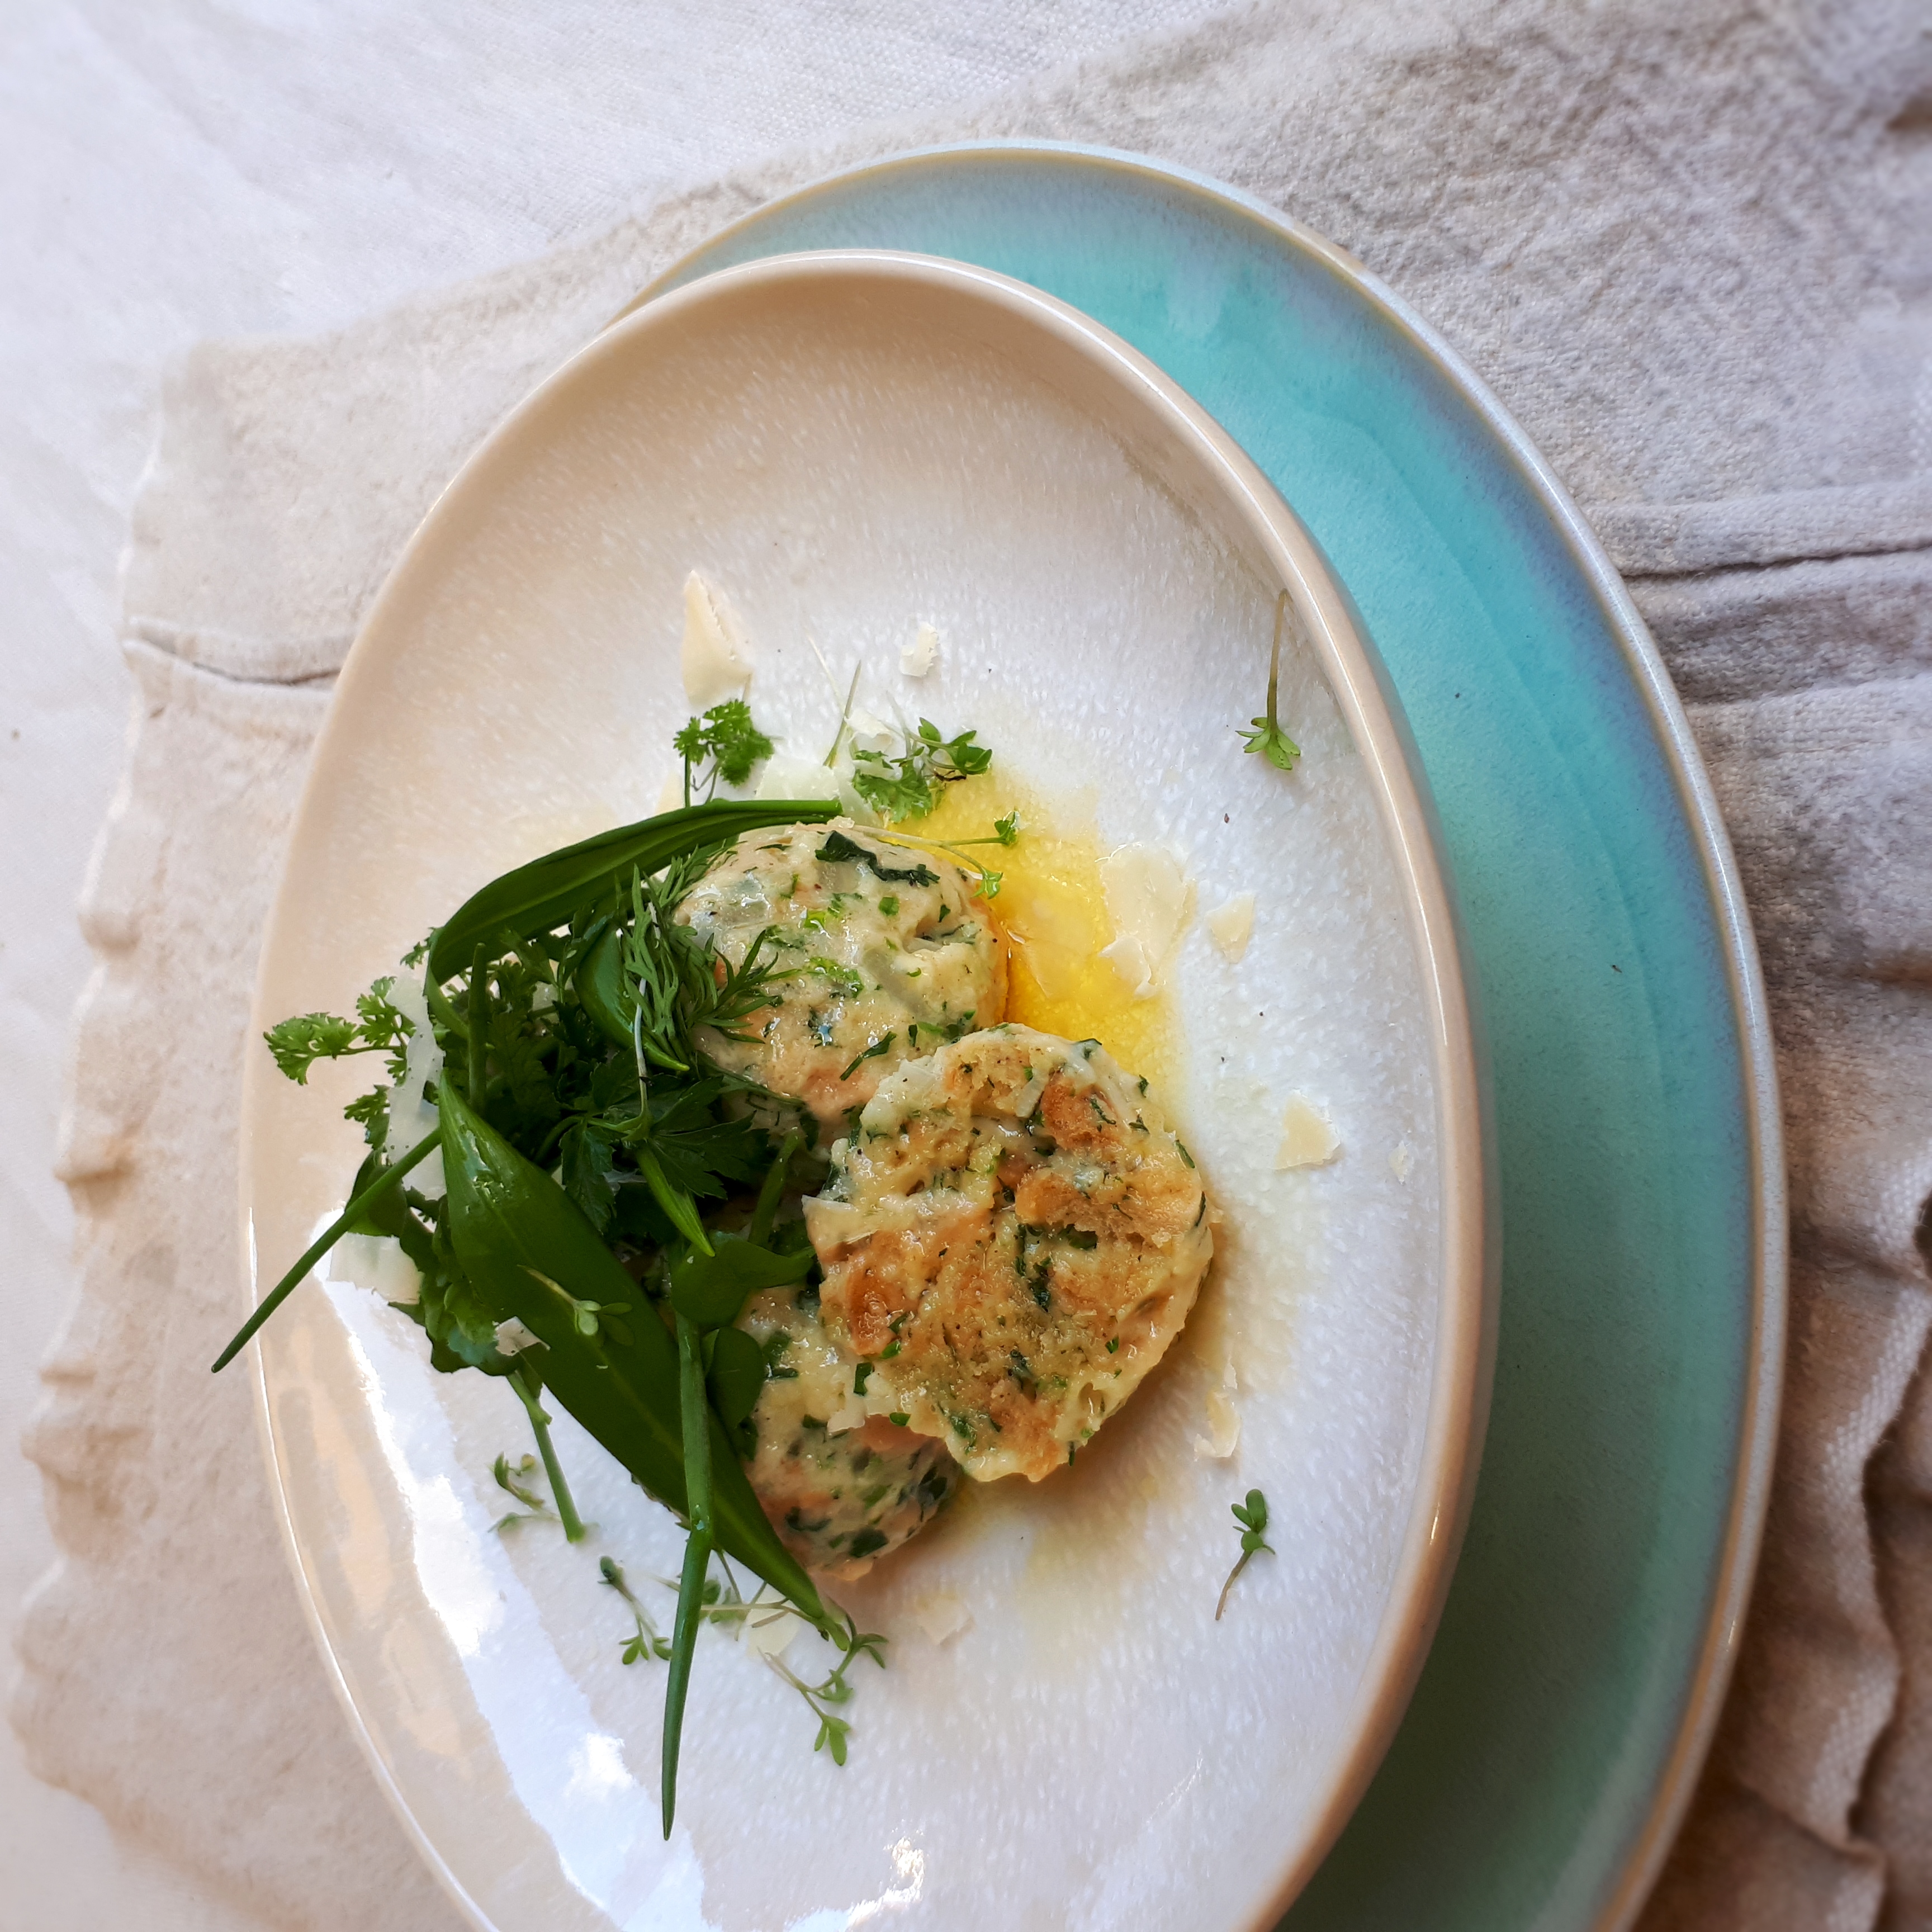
941 1615
1232 925
411 1117
1128 958
918 657
513 1338
786 776
864 731
712 660
1224 1428
1148 900
1307 1138
1402 1160
377 1263
770 1624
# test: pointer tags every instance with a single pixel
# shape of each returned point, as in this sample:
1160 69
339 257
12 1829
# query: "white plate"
845 443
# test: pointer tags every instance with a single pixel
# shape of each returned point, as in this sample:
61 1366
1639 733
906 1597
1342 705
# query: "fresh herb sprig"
645 1642
1253 1520
587 1149
1006 832
514 1479
1267 737
824 1698
724 745
907 786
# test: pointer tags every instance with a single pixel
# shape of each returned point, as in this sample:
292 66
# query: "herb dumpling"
841 1485
888 953
1011 1237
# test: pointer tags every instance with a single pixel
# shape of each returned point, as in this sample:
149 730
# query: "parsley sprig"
1253 1520
1267 737
723 745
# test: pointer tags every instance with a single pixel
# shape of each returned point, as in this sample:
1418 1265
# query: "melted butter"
1053 909
1087 1528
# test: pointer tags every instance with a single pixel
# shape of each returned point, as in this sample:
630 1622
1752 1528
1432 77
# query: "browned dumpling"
1011 1236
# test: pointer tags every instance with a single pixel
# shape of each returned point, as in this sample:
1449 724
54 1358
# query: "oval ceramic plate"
1557 1733
845 444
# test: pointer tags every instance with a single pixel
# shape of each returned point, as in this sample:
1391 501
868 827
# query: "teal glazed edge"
1614 1534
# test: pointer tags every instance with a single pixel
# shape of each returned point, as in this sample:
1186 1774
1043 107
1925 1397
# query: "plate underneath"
1570 1697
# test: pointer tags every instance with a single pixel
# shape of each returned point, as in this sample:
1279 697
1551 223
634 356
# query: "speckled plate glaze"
845 443
1553 1742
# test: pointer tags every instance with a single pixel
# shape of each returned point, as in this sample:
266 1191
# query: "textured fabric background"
1690 246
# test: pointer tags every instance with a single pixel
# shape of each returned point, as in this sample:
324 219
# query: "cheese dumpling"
881 954
1011 1236
841 1486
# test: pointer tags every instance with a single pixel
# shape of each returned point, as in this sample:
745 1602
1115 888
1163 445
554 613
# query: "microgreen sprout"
513 1478
646 1642
823 1698
1267 737
1253 1519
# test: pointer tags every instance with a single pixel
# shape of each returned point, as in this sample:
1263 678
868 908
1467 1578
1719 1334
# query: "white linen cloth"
1691 248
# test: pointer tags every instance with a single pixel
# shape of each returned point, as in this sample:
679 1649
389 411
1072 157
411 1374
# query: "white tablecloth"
170 172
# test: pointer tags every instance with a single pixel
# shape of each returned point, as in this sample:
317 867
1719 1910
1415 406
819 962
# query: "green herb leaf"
708 1290
907 786
1253 1519
883 1044
734 1375
1267 737
838 849
298 1043
514 1234
724 744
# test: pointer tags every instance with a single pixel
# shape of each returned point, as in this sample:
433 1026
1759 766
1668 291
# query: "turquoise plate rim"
1654 1818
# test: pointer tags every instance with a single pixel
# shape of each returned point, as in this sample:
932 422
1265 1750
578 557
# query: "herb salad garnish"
612 1196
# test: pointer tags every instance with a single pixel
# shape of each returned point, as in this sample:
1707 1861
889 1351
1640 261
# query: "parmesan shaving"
770 1625
865 731
513 1338
1402 1160
1232 925
1224 1428
941 1615
377 1263
786 775
712 661
411 1117
1308 1139
1148 894
918 658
